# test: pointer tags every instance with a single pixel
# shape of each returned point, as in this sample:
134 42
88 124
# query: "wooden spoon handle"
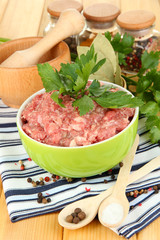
140 173
147 168
70 22
122 179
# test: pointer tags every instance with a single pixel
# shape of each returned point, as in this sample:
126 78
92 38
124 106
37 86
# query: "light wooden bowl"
17 84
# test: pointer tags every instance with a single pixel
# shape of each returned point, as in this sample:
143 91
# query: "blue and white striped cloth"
21 196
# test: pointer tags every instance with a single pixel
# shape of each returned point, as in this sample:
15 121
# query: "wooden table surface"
24 18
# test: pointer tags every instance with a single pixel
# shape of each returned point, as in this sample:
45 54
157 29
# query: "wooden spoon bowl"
17 84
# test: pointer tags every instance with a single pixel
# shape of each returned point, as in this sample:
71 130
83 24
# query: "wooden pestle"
70 22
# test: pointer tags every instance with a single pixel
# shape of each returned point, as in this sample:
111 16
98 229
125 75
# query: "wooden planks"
0 186
94 231
151 232
42 227
26 15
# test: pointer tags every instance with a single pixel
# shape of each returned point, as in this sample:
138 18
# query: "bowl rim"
30 38
19 122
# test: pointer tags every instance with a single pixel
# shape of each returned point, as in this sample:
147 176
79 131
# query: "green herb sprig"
146 82
148 89
72 80
121 45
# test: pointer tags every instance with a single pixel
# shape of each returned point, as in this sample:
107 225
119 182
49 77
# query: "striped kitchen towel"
21 196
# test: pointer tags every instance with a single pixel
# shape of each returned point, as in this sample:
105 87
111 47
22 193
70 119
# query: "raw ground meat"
47 122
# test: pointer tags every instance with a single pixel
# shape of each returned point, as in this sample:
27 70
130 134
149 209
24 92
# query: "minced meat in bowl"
63 142
47 122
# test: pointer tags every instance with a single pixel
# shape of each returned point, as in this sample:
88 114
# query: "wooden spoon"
114 209
70 22
90 205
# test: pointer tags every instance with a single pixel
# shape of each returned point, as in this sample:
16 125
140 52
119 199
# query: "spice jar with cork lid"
100 18
140 25
54 10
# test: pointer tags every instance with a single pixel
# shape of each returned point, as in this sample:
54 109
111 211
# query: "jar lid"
136 19
101 12
55 8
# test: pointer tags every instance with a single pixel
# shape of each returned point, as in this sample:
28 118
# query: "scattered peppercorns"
22 167
135 193
69 179
47 179
112 176
121 164
83 179
29 180
42 199
75 217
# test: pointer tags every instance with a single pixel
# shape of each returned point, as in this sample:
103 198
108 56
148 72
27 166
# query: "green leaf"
154 75
143 84
55 97
79 84
108 36
84 104
50 78
117 100
157 96
122 45
152 121
150 60
96 89
155 134
98 65
147 96
121 59
150 108
69 70
153 125
127 41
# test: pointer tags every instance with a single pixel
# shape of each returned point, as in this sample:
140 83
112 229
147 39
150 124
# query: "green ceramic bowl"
81 161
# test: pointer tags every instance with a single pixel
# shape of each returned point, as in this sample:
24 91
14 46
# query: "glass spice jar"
54 10
100 18
140 25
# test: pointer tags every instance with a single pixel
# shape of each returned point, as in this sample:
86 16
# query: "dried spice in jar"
100 18
140 25
54 10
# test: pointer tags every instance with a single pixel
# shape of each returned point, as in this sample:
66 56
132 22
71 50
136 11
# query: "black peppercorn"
29 180
81 215
76 220
77 210
69 218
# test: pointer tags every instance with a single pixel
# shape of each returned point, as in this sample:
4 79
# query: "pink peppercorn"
22 167
47 179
